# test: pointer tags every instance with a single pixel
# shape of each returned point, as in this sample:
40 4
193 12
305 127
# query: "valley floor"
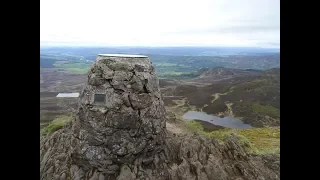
254 97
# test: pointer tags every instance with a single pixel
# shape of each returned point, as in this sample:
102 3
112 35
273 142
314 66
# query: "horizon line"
154 46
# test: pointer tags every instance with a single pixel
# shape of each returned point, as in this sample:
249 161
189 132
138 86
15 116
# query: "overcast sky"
161 22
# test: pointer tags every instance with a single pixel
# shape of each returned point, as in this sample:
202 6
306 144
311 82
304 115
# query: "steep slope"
119 132
186 157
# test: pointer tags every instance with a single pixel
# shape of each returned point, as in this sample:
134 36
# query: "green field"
76 68
258 140
165 64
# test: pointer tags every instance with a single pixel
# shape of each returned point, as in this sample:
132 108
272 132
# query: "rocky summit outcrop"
119 133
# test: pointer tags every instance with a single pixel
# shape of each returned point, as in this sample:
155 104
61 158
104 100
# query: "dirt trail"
230 112
217 95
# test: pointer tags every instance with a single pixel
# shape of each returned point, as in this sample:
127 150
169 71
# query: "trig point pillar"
121 114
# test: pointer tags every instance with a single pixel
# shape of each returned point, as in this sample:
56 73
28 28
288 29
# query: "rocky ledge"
119 132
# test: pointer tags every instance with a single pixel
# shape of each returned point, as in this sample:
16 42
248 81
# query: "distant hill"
171 51
254 95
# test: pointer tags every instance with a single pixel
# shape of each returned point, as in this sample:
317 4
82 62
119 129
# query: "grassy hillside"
254 98
258 140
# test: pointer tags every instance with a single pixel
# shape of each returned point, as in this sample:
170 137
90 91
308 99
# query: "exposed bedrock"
119 132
